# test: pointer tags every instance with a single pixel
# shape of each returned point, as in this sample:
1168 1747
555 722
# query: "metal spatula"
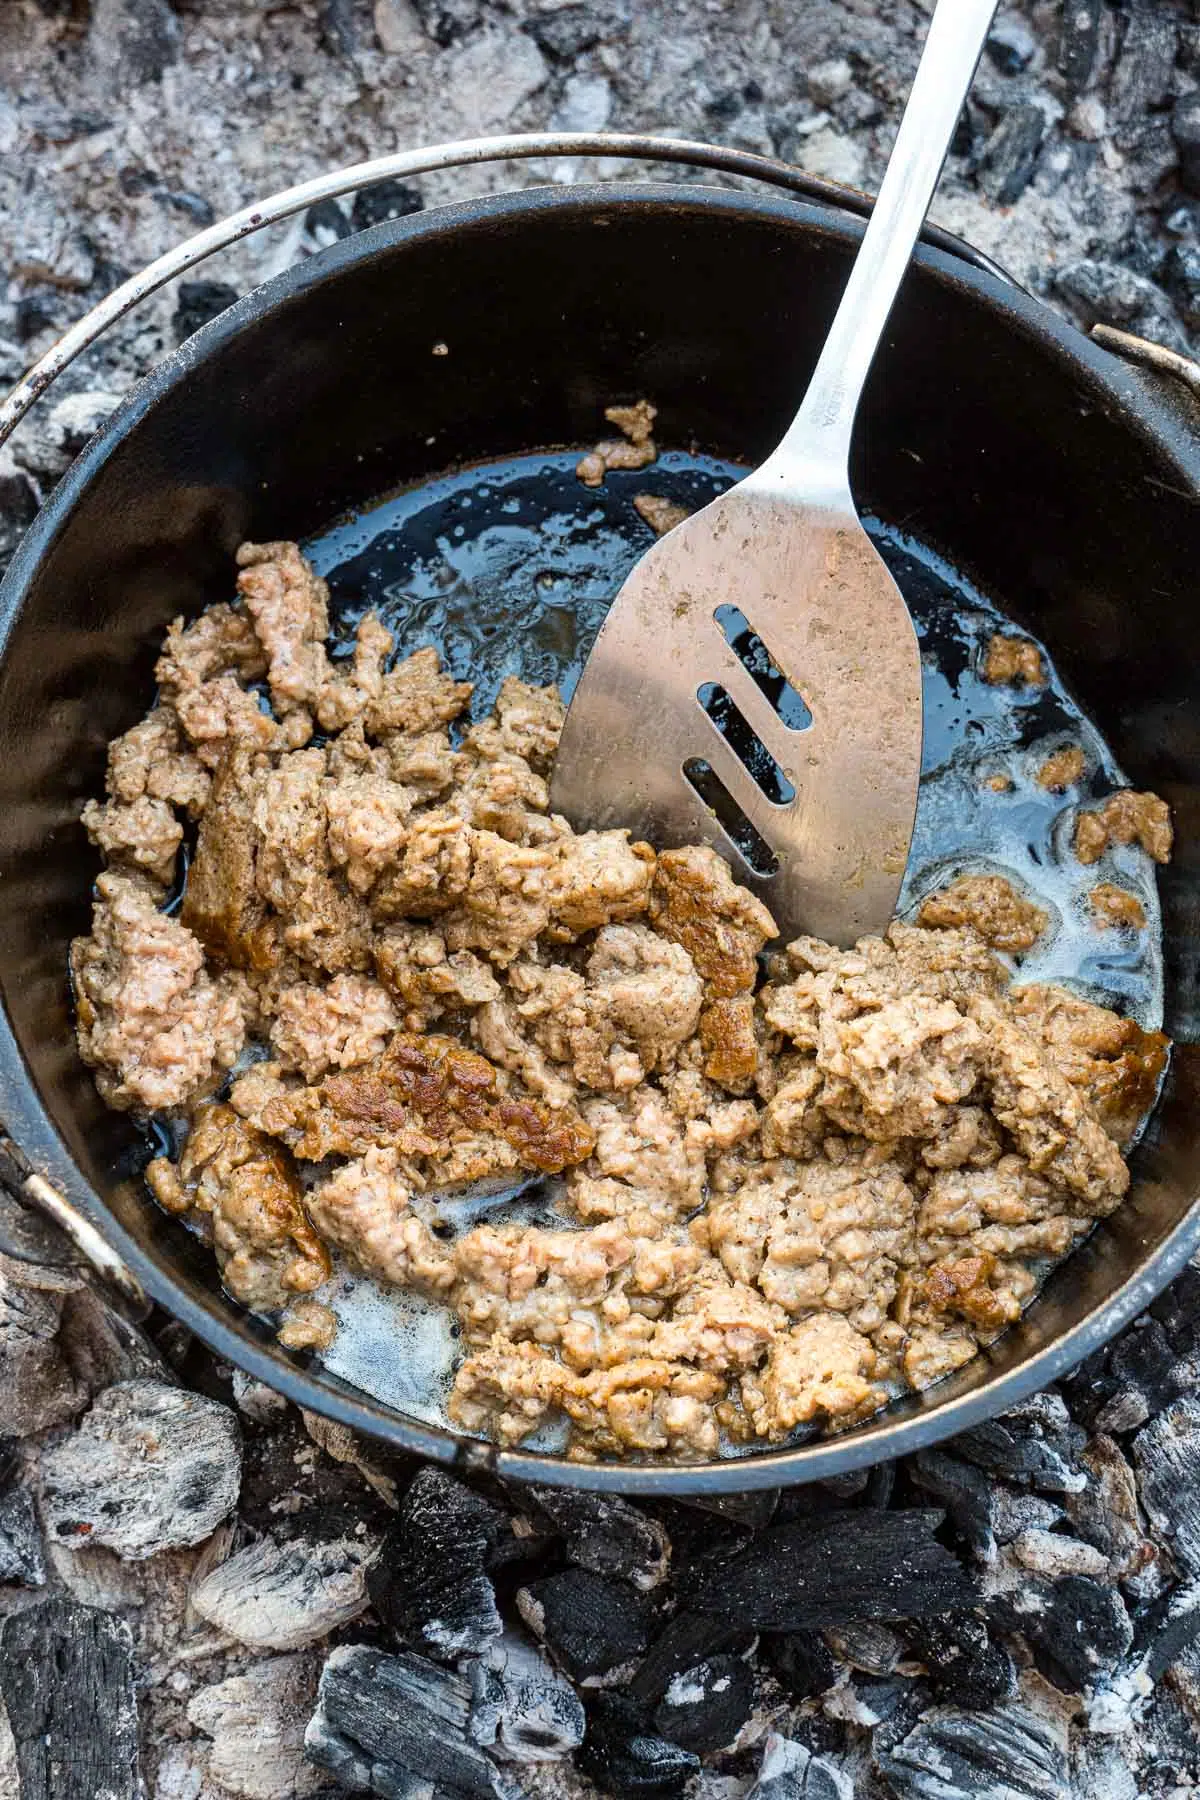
757 683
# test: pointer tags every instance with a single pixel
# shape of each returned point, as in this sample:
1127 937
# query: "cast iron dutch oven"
1063 481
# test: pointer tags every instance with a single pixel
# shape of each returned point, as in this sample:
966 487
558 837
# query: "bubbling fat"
509 569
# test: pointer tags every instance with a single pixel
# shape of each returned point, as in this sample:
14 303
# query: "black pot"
1042 467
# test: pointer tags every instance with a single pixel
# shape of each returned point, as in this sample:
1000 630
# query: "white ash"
284 1596
150 1468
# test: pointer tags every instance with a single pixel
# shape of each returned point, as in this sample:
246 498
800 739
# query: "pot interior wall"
980 435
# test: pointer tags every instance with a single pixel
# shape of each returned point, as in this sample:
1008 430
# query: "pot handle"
39 1225
464 153
1171 364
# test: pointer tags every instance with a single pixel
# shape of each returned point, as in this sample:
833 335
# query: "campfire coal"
204 1593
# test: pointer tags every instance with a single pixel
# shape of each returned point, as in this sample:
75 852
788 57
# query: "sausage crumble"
793 1180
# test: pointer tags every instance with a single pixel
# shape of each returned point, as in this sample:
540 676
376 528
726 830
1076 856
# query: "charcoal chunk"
801 1662
522 1710
390 199
448 20
790 1771
590 1623
430 1583
1009 1752
1010 154
1145 65
704 1708
1077 1628
964 1666
604 1533
1011 46
21 1559
1034 1442
327 223
1166 1458
568 31
396 1726
37 1389
1181 278
622 1755
150 1468
966 1493
831 1569
1079 42
200 301
1185 128
1177 1309
66 1679
866 1645
689 1638
1106 1513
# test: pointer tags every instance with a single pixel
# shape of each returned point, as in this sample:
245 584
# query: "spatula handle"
819 440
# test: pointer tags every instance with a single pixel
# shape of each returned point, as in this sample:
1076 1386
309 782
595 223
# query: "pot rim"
23 1116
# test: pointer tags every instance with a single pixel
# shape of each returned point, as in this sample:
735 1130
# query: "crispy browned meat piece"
222 904
1112 1060
247 1185
1062 769
729 1041
1004 918
964 1287
439 1086
1113 905
1125 818
1013 662
696 902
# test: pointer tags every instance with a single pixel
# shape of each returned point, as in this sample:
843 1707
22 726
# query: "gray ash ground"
205 1594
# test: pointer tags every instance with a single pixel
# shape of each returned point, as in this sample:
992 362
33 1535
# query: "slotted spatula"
683 725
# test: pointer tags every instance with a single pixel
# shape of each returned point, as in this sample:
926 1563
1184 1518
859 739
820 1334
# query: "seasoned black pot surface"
1032 461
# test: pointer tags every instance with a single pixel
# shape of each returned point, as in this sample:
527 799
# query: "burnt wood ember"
1009 1753
790 1771
604 1533
150 1468
967 1494
962 1663
1034 1443
624 1757
22 1560
522 1710
831 1569
397 1726
1166 1456
689 1638
801 1662
37 1387
1076 1629
704 1708
591 1624
430 1583
66 1678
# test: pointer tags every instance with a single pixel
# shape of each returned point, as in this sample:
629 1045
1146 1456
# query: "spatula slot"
745 743
759 856
759 664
